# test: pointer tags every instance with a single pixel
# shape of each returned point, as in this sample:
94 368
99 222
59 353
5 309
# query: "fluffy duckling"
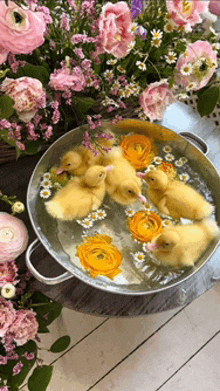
182 245
175 198
80 196
78 160
122 183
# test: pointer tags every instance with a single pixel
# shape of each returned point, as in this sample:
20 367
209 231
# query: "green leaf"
36 71
40 378
208 100
6 106
83 104
32 147
5 137
60 344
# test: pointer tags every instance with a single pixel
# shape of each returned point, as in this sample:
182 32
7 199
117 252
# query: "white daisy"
169 27
8 290
147 206
142 116
216 46
121 69
184 177
47 175
157 34
191 86
169 157
151 167
121 93
141 65
167 149
112 61
183 159
133 27
93 216
131 46
178 163
45 193
139 256
166 223
129 212
86 223
145 249
108 74
101 214
156 42
57 185
116 84
46 183
171 57
186 69
157 160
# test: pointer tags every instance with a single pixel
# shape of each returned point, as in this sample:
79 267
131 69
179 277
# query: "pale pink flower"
17 368
155 99
114 29
186 13
3 55
7 316
28 95
203 61
24 327
21 30
13 237
214 7
8 273
67 79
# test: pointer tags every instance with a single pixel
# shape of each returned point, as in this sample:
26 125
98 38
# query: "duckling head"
95 175
167 241
157 180
129 192
70 161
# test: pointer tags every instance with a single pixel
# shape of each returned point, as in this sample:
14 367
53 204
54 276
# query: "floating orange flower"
137 149
99 256
168 168
144 226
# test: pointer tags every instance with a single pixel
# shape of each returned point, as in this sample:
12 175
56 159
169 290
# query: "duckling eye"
166 244
130 192
152 179
100 175
69 164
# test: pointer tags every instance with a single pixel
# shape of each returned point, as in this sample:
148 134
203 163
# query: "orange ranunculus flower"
137 149
98 255
144 226
168 169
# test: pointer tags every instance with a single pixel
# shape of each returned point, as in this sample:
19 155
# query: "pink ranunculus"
155 99
8 273
13 237
115 29
203 62
24 327
7 316
214 7
186 13
21 30
28 95
3 55
66 79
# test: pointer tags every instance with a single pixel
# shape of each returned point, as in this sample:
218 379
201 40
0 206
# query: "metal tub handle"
46 280
215 279
196 140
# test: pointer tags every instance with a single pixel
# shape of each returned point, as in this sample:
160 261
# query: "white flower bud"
18 207
8 290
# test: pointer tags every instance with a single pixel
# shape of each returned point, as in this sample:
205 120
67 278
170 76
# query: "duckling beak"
142 198
141 175
59 171
109 168
152 246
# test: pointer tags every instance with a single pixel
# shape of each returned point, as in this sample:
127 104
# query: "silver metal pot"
56 236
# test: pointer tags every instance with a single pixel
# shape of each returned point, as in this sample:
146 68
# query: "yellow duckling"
175 198
80 196
182 245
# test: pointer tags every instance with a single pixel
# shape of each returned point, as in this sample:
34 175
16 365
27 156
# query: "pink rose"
66 79
196 66
214 7
8 273
7 316
21 30
186 13
28 95
13 237
114 29
3 55
155 99
24 327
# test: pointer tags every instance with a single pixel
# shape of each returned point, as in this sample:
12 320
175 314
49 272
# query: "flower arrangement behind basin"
71 63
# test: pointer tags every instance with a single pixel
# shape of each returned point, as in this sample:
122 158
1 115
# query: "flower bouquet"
76 62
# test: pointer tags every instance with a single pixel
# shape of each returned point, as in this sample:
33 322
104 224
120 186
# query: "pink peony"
3 55
13 237
186 13
28 95
8 273
21 30
155 99
24 327
202 61
67 79
214 7
114 29
7 316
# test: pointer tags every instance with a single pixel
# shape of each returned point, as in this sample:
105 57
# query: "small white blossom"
216 46
121 93
131 46
18 207
157 34
47 175
171 57
45 193
142 116
191 86
169 157
116 84
101 214
139 256
145 249
183 159
169 27
166 223
156 42
93 216
129 212
112 61
133 27
178 163
57 185
108 74
121 69
186 69
46 183
157 160
151 167
184 177
147 206
167 149
141 65
86 223
8 290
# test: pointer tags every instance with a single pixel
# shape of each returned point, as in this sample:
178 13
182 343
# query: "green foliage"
207 100
6 106
47 310
36 71
60 344
40 378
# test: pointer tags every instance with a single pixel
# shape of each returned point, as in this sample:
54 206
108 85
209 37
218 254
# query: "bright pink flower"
13 237
24 327
28 95
214 7
8 273
155 99
3 55
66 79
21 31
186 13
7 316
114 29
203 62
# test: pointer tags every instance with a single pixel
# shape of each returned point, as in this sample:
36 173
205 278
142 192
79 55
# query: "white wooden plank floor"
177 350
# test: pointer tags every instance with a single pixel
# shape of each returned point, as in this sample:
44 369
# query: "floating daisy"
171 57
45 193
93 216
183 159
184 177
169 157
178 163
139 256
186 69
167 149
47 175
57 185
166 222
86 223
151 167
101 214
157 160
141 65
46 183
147 206
129 212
